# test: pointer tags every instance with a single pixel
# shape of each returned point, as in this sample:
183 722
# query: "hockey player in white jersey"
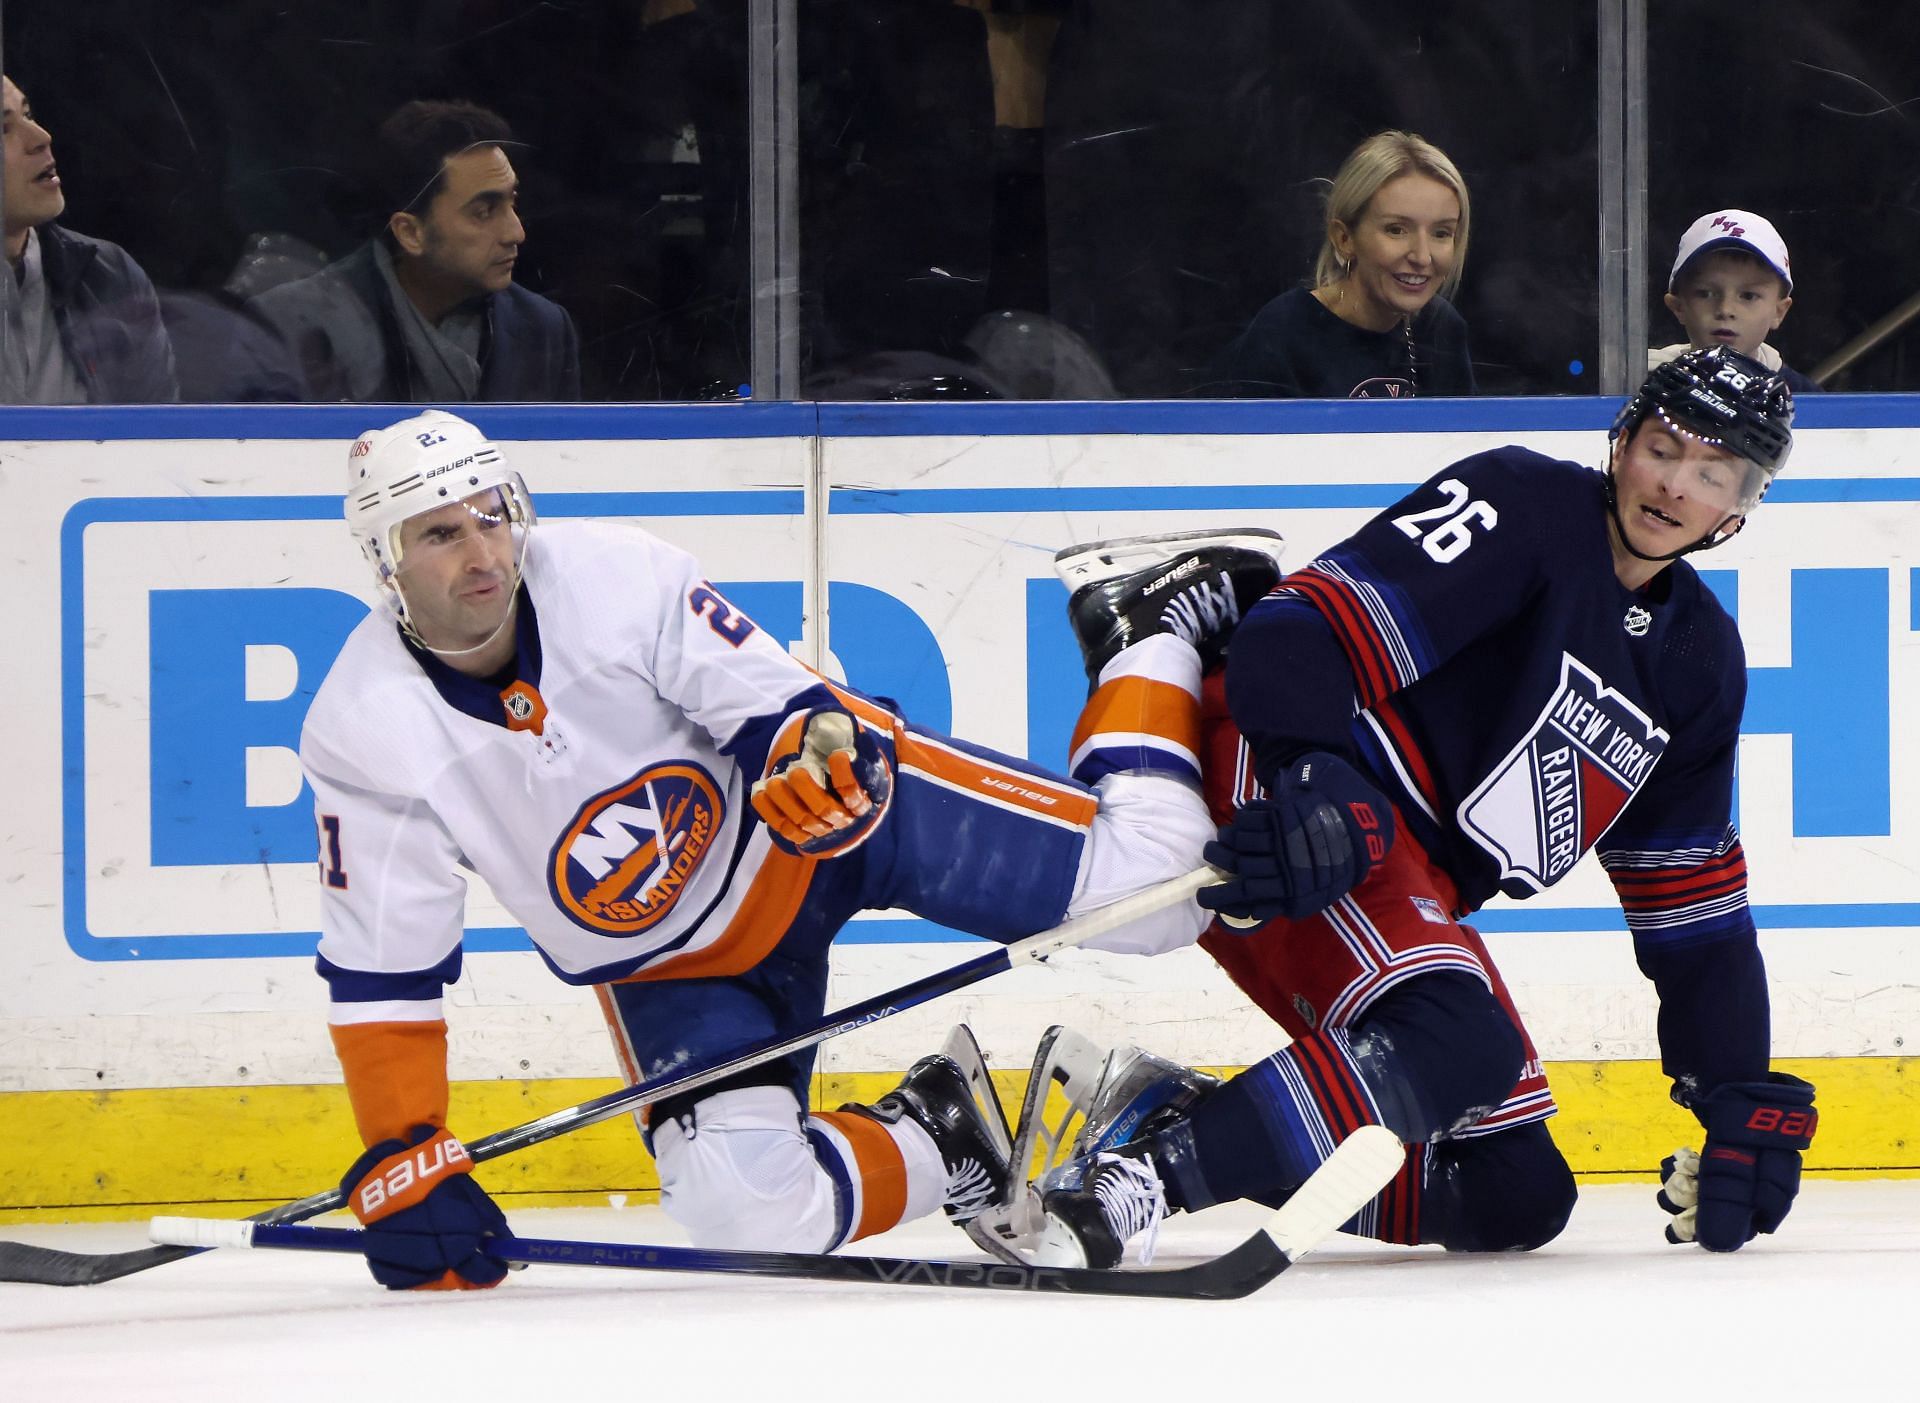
682 816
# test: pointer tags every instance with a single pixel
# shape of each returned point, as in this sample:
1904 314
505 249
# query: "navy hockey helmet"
1721 397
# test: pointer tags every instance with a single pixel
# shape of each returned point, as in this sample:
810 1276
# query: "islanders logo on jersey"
1566 782
631 851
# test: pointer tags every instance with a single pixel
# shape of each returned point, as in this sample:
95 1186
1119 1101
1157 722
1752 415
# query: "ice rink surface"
1828 1308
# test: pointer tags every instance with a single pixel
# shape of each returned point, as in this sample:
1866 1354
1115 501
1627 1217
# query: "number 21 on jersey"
332 874
1447 540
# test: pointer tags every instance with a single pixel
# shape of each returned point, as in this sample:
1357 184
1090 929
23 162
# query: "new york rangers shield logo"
630 852
1562 786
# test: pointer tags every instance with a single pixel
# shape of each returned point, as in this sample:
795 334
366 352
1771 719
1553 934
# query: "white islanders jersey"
618 833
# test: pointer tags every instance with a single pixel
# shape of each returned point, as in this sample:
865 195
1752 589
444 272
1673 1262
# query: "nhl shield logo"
1564 784
1638 621
631 851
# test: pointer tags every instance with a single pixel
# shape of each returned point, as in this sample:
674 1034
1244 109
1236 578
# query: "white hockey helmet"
413 467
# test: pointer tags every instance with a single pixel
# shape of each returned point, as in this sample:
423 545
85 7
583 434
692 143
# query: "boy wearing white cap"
1731 285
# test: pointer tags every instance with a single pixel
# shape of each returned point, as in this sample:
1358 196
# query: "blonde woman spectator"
1376 324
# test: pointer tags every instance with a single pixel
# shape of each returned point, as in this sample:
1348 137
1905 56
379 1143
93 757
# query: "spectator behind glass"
83 325
428 311
1731 285
1376 324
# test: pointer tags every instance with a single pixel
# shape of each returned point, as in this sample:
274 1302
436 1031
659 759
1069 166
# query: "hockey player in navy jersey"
1511 667
682 816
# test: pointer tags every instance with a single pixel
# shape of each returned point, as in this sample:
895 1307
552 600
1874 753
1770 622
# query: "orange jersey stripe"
981 778
882 1169
757 926
1141 705
396 1076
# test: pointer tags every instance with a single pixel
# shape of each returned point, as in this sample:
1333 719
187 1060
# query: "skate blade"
1093 561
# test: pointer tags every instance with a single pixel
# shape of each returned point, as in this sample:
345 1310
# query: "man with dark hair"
428 311
83 325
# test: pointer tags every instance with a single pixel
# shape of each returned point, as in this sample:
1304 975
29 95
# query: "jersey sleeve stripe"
349 986
1672 901
1366 651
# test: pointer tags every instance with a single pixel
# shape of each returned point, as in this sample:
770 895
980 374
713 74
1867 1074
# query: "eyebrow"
1415 219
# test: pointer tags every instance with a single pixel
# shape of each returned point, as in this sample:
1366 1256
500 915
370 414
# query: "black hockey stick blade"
48 1266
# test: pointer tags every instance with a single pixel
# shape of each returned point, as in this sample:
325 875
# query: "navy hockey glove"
1743 1182
1320 834
827 797
424 1215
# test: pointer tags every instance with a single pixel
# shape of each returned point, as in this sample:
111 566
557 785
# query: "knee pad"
1435 1051
1509 1192
738 1173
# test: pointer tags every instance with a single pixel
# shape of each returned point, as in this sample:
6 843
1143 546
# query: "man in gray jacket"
427 311
82 324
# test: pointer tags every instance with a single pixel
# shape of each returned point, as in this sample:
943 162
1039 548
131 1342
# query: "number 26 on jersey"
1445 531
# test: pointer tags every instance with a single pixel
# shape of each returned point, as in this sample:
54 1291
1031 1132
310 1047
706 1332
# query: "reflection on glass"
82 323
233 149
427 309
1803 114
1376 324
1731 285
1132 182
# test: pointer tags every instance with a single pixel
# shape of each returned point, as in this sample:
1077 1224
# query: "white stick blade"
201 1232
1363 1164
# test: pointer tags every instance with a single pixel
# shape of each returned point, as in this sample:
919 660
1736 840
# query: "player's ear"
1732 527
408 232
1673 305
1781 309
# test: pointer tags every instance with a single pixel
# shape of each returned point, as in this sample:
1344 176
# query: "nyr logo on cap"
631 851
1564 784
1720 221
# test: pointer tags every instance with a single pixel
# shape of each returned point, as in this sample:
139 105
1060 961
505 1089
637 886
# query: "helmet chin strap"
513 607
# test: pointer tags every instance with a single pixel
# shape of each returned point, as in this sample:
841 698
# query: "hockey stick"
1349 1178
48 1266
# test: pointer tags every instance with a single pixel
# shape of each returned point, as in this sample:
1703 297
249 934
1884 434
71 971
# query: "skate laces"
1132 1199
1202 609
970 1189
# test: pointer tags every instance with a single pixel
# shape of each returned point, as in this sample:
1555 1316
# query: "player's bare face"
1674 490
32 192
458 572
1399 252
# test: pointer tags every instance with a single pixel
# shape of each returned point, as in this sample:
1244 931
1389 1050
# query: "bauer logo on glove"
1743 1181
828 796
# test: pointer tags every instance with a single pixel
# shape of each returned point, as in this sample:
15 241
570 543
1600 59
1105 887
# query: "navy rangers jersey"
1472 650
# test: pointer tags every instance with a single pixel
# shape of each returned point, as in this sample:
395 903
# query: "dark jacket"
1295 348
341 327
108 318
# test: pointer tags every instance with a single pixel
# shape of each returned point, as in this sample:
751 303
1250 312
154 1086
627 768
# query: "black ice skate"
1194 584
949 1096
1103 1204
